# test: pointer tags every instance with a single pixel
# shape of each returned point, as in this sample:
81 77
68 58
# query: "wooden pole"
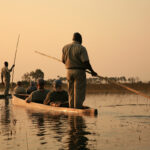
48 56
113 82
15 56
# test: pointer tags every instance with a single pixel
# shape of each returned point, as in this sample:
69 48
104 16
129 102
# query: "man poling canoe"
5 77
67 60
76 60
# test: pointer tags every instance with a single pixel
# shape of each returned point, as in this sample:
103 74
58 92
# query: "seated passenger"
31 88
39 95
19 89
58 97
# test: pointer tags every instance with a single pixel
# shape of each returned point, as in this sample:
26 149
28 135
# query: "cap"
57 83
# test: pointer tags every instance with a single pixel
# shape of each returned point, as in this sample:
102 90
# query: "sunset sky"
116 34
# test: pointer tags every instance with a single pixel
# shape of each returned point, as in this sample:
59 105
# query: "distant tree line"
38 73
121 79
33 75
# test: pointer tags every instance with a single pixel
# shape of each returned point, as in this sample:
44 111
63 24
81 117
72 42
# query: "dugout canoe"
16 101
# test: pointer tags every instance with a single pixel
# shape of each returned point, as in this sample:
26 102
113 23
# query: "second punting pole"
15 56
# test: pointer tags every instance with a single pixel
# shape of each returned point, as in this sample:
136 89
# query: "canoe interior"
46 108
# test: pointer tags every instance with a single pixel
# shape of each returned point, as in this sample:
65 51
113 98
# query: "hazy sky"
116 34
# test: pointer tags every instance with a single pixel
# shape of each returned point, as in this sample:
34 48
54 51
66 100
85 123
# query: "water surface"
123 122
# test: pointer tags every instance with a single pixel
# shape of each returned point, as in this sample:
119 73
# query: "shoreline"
111 88
102 88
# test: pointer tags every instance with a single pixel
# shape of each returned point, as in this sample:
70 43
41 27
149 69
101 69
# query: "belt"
76 68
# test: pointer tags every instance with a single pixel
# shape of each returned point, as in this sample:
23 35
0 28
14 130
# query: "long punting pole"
113 82
15 56
48 56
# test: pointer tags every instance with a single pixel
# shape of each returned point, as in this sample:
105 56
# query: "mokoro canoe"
46 108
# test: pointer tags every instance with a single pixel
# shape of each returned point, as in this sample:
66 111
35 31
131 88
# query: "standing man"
76 60
5 77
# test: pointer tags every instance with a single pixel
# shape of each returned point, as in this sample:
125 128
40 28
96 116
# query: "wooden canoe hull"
46 108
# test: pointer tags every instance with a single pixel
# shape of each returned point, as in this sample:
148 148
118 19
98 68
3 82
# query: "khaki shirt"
19 90
38 96
5 73
74 55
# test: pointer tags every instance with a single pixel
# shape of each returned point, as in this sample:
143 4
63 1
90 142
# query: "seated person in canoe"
31 88
40 94
19 89
58 97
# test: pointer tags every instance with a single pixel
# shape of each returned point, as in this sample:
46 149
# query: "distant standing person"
76 60
5 77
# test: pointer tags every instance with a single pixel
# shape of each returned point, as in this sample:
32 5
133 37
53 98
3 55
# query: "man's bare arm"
89 67
12 68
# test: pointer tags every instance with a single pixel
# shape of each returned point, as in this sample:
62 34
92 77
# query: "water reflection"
5 120
5 114
57 124
69 131
119 115
77 135
38 121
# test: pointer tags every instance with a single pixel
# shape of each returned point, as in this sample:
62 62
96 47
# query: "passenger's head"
57 85
6 63
19 83
77 37
40 83
32 83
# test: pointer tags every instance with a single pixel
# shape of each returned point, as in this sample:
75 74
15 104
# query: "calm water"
123 122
